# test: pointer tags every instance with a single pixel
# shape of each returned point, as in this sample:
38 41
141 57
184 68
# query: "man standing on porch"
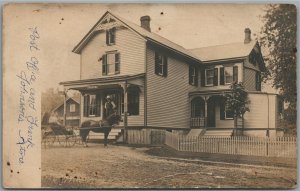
110 106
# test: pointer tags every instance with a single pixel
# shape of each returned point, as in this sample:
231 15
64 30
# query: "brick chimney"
247 35
145 22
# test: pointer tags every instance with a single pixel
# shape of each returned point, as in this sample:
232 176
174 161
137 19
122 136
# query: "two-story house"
156 83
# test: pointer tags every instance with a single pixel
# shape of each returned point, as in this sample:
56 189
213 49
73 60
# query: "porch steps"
113 135
196 132
219 133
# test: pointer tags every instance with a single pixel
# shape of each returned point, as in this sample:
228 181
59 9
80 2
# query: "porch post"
124 86
205 111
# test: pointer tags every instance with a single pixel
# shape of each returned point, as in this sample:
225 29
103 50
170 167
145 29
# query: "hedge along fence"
146 137
252 146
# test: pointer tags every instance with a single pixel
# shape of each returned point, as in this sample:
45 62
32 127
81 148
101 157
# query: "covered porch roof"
209 93
104 82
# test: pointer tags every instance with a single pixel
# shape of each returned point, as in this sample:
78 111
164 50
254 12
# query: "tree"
278 38
237 101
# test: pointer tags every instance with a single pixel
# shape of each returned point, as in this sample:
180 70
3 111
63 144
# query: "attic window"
72 107
111 36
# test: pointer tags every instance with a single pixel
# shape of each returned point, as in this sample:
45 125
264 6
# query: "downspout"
145 87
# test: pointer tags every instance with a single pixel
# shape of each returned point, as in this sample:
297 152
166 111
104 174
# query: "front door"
211 119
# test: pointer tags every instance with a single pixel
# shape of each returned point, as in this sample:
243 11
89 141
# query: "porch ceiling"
104 82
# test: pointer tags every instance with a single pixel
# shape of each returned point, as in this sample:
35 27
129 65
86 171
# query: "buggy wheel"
70 140
48 139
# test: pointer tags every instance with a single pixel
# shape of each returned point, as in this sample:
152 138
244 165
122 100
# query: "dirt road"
127 167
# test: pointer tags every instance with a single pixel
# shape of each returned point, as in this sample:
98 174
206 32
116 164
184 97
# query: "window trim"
193 76
133 92
87 108
213 75
105 64
163 69
111 36
225 82
73 108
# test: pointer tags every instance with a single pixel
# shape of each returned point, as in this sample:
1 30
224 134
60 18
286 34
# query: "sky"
62 26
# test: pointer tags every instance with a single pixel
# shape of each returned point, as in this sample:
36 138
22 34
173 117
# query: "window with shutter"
111 36
209 77
228 74
161 64
193 75
111 63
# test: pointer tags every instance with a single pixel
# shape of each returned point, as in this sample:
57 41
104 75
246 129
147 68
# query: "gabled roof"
155 38
75 99
223 52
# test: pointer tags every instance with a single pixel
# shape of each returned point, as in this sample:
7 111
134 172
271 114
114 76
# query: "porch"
125 91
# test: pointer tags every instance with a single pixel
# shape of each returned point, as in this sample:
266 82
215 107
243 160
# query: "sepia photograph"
149 96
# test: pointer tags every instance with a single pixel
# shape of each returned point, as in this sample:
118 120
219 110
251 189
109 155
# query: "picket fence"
253 146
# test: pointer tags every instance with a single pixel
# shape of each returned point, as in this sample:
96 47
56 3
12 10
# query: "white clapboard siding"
167 97
252 146
263 113
130 46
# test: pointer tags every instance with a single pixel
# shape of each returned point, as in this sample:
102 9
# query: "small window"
224 112
111 63
193 75
161 63
110 36
209 73
228 114
228 74
133 101
72 107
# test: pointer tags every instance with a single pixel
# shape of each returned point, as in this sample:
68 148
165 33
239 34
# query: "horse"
102 126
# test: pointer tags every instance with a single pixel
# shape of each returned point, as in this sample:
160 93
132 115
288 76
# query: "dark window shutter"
215 76
190 75
165 66
117 63
196 77
258 83
235 73
85 105
156 70
104 64
98 105
113 35
222 109
222 81
107 37
202 77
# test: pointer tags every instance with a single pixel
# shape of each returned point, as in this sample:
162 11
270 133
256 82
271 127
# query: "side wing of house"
168 104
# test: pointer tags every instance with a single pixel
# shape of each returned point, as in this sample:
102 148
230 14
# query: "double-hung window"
228 74
193 75
133 101
209 74
111 63
111 36
161 64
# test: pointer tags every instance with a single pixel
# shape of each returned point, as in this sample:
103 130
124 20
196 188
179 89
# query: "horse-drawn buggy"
55 133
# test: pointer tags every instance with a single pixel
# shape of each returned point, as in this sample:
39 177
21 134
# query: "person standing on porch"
110 106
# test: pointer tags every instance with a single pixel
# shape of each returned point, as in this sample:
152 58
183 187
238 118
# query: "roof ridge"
223 45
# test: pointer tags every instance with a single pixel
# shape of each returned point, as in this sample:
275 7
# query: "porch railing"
197 122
